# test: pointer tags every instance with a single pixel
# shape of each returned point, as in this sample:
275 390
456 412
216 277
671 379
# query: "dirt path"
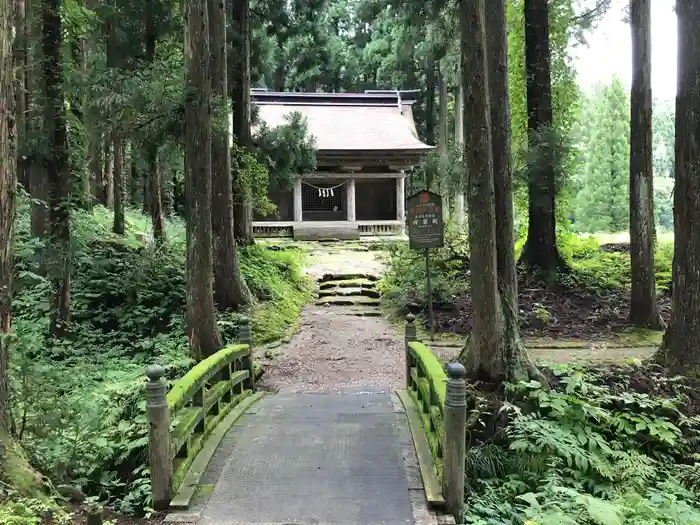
332 349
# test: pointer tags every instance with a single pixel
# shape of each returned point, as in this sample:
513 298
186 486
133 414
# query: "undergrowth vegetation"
605 446
78 404
591 299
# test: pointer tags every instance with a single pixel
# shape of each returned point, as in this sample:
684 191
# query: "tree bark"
108 174
680 348
153 198
201 317
430 81
487 317
459 143
118 153
517 360
540 252
644 310
95 167
443 140
230 290
36 163
21 98
239 90
137 193
57 169
8 178
494 351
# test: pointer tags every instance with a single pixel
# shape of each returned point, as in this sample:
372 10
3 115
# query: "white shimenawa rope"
326 192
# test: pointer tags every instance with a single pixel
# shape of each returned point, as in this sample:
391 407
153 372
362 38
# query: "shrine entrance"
324 200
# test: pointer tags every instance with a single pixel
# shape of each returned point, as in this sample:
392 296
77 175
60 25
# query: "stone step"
347 277
337 300
349 292
363 313
350 283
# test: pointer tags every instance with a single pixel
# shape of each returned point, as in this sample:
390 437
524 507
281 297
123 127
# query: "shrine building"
365 144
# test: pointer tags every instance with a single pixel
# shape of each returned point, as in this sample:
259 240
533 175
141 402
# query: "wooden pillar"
245 336
455 440
401 199
298 215
409 335
158 418
351 200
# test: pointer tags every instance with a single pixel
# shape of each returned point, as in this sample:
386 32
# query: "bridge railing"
440 397
179 421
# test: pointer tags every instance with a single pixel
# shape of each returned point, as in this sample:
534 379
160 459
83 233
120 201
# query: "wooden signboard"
426 229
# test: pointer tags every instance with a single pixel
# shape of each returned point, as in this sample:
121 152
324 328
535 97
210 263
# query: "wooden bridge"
222 453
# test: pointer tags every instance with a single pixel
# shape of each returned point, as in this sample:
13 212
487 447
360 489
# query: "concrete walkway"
321 459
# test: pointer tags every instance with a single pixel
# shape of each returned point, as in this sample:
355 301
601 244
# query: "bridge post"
245 336
410 335
455 440
158 418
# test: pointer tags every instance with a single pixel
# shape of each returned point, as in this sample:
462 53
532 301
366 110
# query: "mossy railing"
180 421
440 399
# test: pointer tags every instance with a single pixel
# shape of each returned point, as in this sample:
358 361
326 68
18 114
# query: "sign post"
426 230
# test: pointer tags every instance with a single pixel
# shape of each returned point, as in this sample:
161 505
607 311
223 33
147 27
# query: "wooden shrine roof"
348 123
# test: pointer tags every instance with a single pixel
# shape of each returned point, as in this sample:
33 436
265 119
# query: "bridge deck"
322 459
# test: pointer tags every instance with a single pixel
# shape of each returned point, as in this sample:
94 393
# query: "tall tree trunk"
115 135
153 197
444 140
108 173
78 48
230 290
644 311
239 89
516 356
430 81
95 166
540 251
118 149
36 163
136 189
8 156
680 349
58 170
146 186
21 97
201 317
494 351
482 359
459 144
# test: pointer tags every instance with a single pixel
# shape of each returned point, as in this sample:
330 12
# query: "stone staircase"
356 293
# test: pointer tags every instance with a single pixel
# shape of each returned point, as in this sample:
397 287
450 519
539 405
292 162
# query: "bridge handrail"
440 397
181 420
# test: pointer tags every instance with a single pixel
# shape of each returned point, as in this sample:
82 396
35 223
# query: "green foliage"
600 180
405 281
602 203
287 151
596 270
593 269
600 448
78 405
24 511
